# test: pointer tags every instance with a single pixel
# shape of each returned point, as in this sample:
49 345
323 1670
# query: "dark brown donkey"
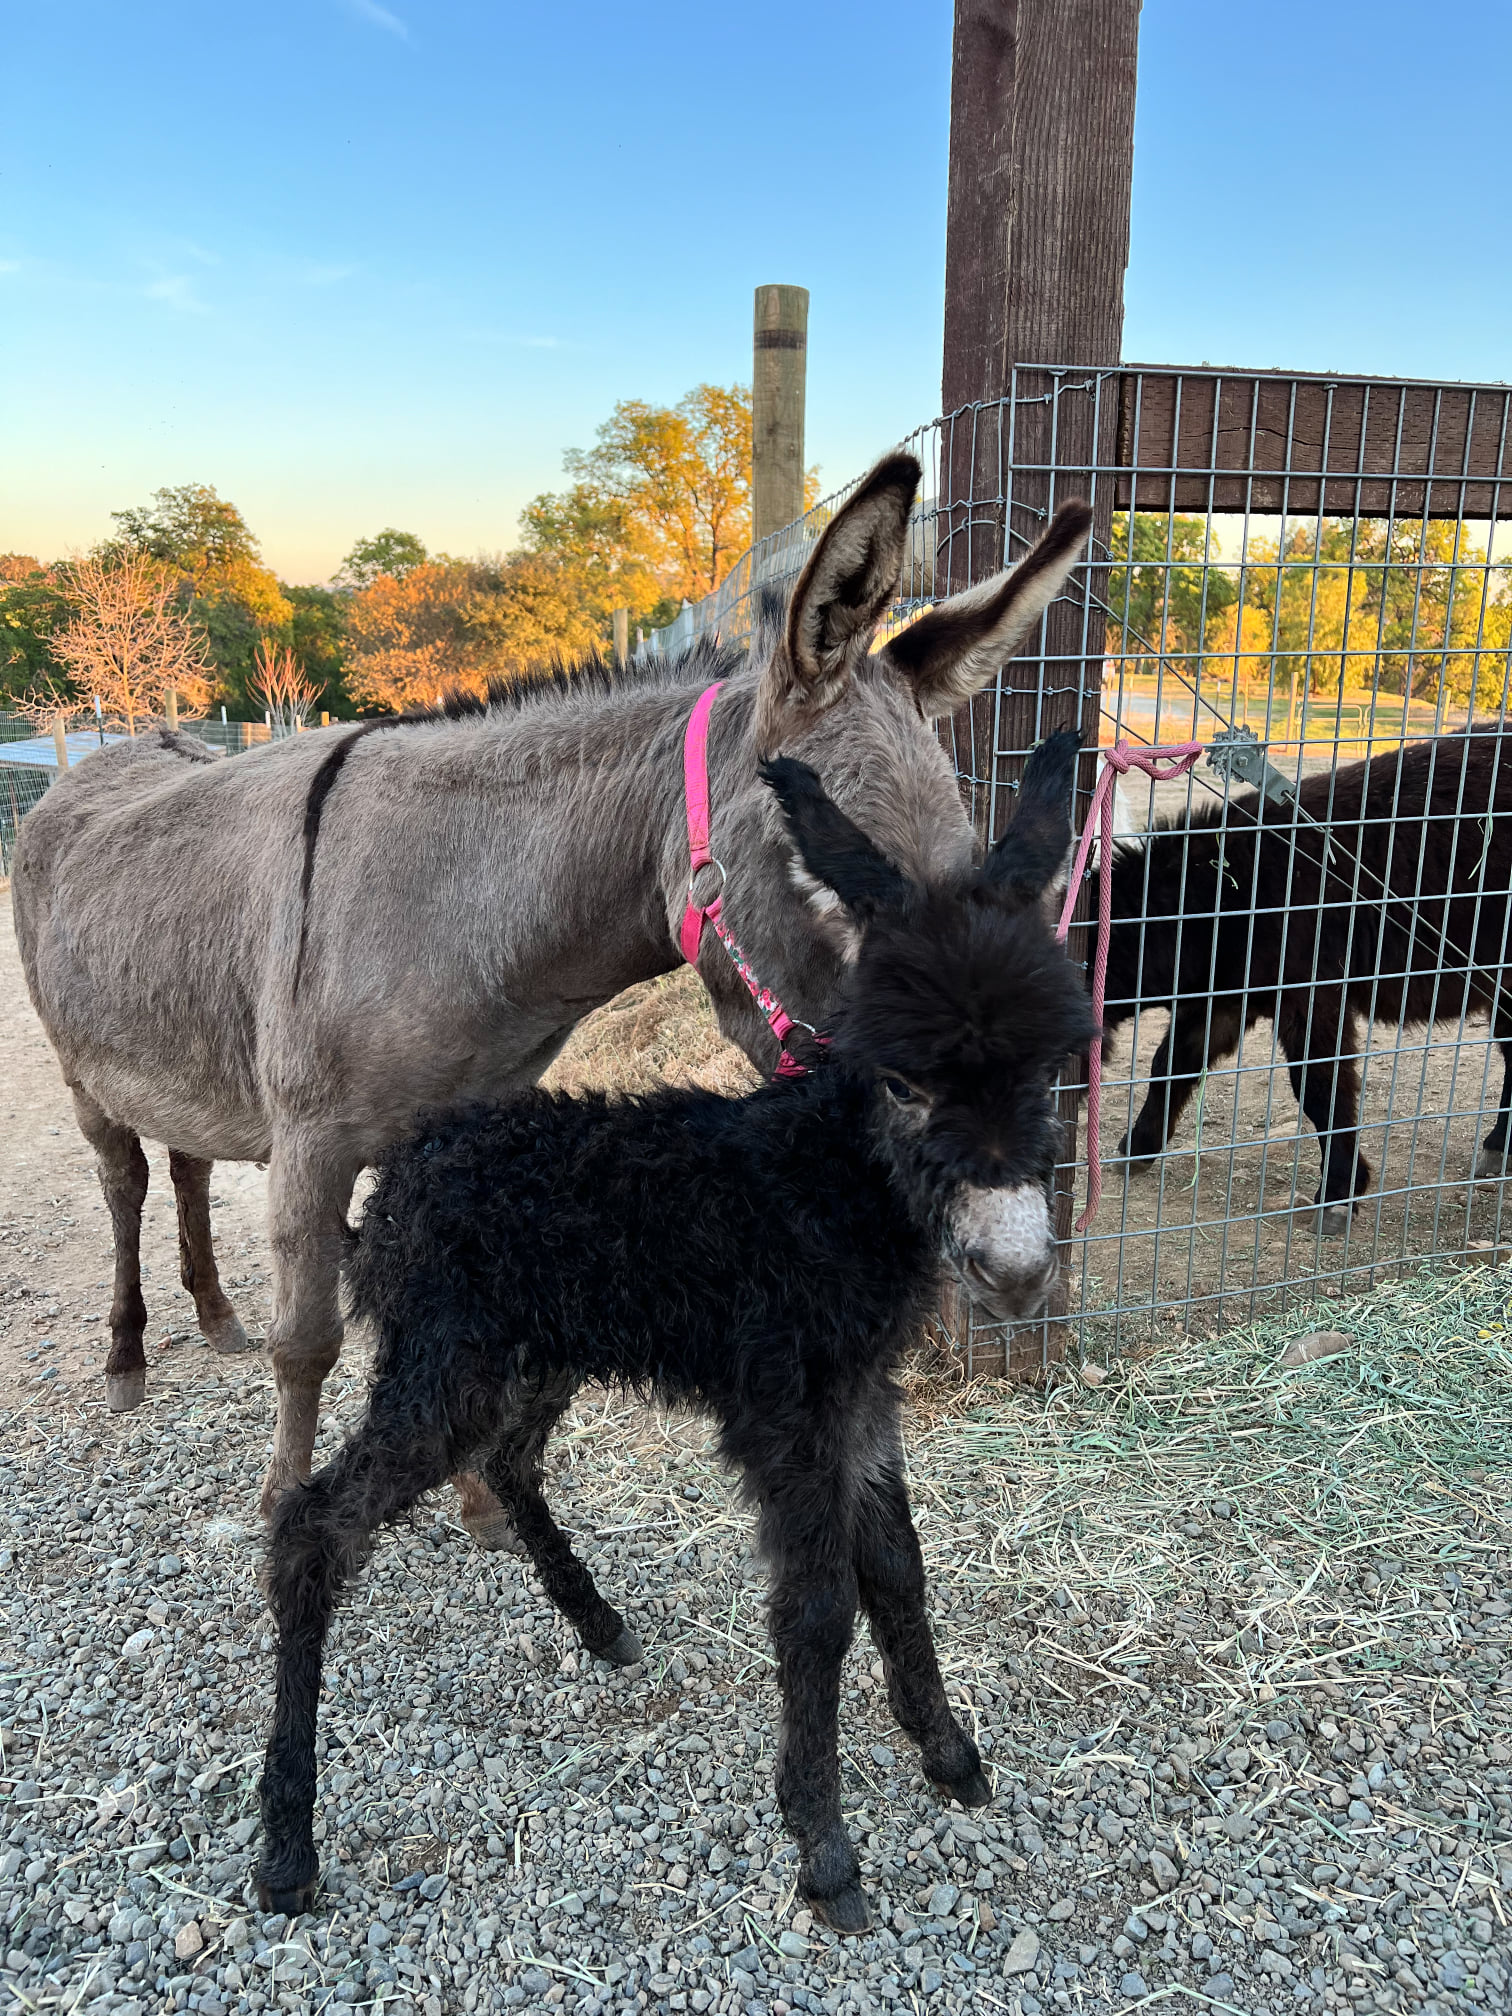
287 957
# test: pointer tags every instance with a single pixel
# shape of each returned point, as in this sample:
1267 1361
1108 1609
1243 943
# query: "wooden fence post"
170 707
779 368
60 743
1037 241
621 637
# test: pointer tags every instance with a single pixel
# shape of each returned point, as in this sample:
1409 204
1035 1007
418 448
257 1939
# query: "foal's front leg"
890 1582
309 1189
806 1535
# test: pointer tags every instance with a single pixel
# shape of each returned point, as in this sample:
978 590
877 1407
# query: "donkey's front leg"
309 1188
806 1523
1319 1042
890 1581
218 1321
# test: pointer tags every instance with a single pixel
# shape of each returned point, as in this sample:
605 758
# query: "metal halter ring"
712 862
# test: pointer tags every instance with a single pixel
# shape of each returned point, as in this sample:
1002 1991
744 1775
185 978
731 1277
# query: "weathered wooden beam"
779 369
1037 240
1270 441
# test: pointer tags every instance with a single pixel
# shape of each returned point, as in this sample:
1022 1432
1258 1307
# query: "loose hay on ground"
1234 1637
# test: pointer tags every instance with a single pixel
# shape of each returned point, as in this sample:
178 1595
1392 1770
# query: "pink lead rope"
700 855
1117 762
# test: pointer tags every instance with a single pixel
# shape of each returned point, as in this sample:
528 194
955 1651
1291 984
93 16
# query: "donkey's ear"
847 585
953 650
837 867
1029 863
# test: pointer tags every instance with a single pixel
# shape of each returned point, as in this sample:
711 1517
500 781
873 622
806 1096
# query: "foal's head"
959 1008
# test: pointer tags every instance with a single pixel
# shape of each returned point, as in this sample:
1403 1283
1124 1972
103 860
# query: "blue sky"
360 265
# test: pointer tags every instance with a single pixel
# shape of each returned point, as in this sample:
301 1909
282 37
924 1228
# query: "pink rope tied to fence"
1117 762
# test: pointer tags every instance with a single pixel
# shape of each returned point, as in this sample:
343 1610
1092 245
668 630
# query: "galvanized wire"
1330 561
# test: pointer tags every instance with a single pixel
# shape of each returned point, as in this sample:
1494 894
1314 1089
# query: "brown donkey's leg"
123 1178
308 1193
218 1321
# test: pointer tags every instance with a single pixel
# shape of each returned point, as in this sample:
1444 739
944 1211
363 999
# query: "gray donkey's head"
864 720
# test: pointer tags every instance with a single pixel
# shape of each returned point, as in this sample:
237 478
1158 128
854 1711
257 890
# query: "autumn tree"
682 475
413 637
227 591
281 687
33 608
387 552
130 641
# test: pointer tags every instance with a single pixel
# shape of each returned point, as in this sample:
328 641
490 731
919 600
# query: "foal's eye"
899 1091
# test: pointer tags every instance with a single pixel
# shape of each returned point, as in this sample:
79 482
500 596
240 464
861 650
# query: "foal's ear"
1029 863
954 649
845 878
846 587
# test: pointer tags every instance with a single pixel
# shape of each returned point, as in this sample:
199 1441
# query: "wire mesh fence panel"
1304 1087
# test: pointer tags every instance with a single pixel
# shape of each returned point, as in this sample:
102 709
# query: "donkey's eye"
899 1091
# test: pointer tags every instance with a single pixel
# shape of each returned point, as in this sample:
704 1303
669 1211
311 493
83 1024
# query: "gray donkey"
288 957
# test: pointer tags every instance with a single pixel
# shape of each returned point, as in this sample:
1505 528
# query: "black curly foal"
765 1259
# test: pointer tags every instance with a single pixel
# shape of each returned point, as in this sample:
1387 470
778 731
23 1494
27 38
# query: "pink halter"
1117 762
696 915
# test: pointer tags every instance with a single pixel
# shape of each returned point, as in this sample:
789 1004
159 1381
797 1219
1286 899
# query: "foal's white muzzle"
1004 1249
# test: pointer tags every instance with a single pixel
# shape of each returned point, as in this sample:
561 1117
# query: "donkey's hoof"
975 1789
494 1531
625 1651
125 1390
847 1911
1334 1220
1491 1165
1138 1159
226 1337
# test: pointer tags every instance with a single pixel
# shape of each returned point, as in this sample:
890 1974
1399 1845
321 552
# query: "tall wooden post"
1037 240
621 637
60 743
170 707
779 368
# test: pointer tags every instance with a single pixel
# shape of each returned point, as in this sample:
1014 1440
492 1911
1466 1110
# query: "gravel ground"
1234 1635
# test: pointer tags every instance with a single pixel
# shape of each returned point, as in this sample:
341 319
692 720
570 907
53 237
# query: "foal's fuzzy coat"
1228 918
764 1258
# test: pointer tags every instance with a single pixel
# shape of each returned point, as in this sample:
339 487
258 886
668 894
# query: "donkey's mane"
553 681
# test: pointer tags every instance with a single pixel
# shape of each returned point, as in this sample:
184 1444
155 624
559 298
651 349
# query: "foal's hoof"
293 1903
494 1532
125 1390
847 1911
1138 1159
975 1789
226 1337
625 1651
1491 1165
1334 1220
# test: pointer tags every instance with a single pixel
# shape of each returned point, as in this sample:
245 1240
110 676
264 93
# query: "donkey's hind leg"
514 1471
890 1583
483 1516
218 1321
321 1536
123 1178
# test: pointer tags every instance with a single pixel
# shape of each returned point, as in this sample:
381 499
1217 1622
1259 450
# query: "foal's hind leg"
322 1535
890 1582
218 1321
514 1471
123 1178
